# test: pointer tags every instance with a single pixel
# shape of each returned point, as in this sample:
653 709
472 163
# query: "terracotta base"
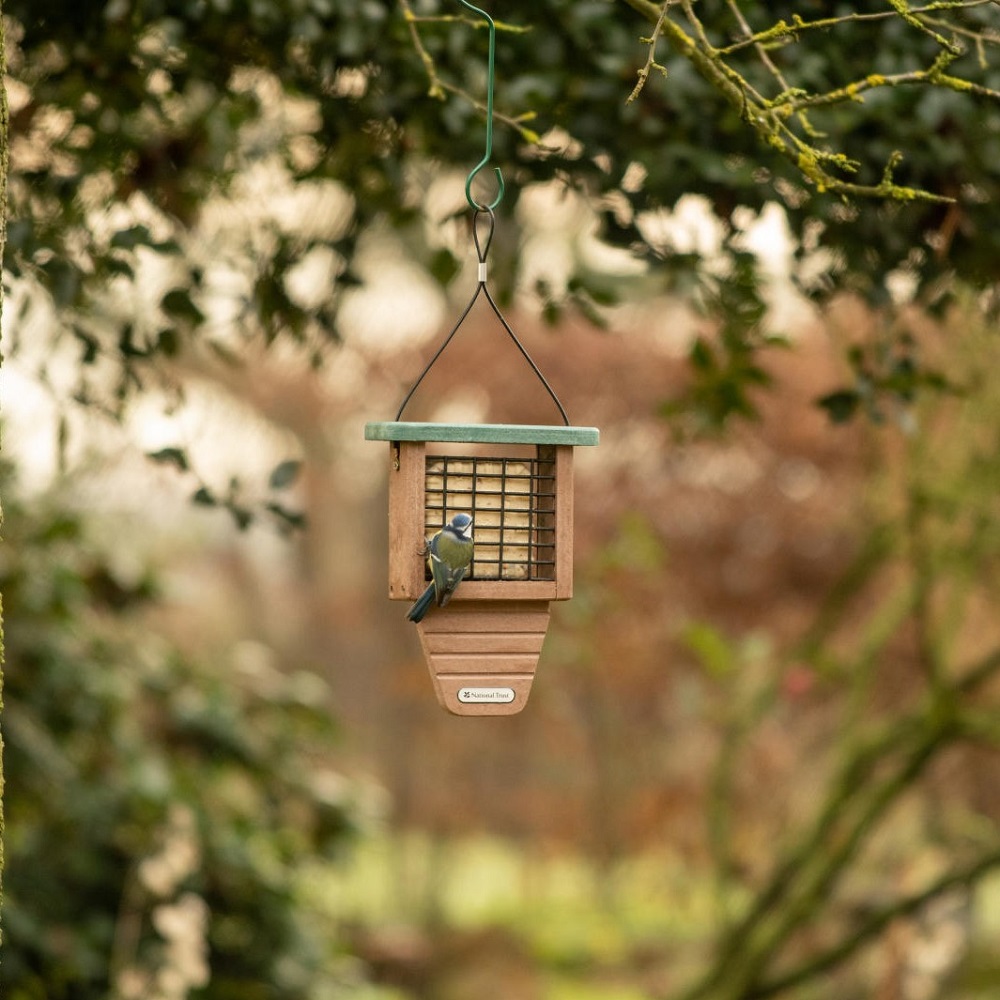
482 655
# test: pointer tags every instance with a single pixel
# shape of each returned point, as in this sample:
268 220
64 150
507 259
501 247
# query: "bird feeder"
516 481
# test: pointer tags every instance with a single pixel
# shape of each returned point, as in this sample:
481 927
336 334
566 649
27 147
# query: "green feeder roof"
403 430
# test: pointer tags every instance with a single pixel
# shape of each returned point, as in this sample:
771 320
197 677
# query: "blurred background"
760 754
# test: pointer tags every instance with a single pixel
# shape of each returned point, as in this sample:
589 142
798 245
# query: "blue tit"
449 555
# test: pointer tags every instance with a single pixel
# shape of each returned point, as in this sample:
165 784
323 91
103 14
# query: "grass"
579 930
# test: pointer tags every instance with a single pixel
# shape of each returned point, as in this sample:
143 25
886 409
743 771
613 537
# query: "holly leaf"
840 405
170 456
284 474
177 302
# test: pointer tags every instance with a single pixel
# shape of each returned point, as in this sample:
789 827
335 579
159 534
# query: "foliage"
168 797
4 160
909 607
162 807
726 368
930 563
131 115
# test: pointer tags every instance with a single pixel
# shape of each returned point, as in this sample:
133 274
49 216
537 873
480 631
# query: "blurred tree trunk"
3 239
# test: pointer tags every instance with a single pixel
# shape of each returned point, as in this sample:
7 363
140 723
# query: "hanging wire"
490 74
483 246
482 249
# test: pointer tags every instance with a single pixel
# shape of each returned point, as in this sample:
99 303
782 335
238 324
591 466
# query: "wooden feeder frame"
482 649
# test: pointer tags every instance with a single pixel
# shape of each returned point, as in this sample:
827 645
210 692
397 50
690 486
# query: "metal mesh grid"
512 503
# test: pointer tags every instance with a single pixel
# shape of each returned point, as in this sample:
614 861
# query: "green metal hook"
489 119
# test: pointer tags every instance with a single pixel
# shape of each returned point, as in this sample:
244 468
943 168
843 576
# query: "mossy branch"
877 772
855 807
875 923
783 32
439 87
770 117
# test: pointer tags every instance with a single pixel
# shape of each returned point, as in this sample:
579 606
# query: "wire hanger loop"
482 248
490 74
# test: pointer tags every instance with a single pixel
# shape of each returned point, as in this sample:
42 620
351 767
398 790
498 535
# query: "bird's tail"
420 606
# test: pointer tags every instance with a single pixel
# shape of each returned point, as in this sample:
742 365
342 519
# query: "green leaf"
169 342
242 516
64 280
701 356
711 647
284 474
129 239
167 246
288 518
443 266
840 405
170 456
177 302
551 312
118 267
91 346
204 497
127 344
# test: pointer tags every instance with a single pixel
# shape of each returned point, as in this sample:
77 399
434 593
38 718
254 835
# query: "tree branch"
852 812
874 925
769 64
785 31
650 11
651 62
902 8
768 117
438 87
976 676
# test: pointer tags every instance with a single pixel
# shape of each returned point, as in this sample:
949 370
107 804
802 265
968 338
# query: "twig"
719 805
852 813
934 74
436 90
438 87
874 925
651 62
919 557
902 8
767 121
649 10
972 678
785 30
472 22
985 37
769 64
